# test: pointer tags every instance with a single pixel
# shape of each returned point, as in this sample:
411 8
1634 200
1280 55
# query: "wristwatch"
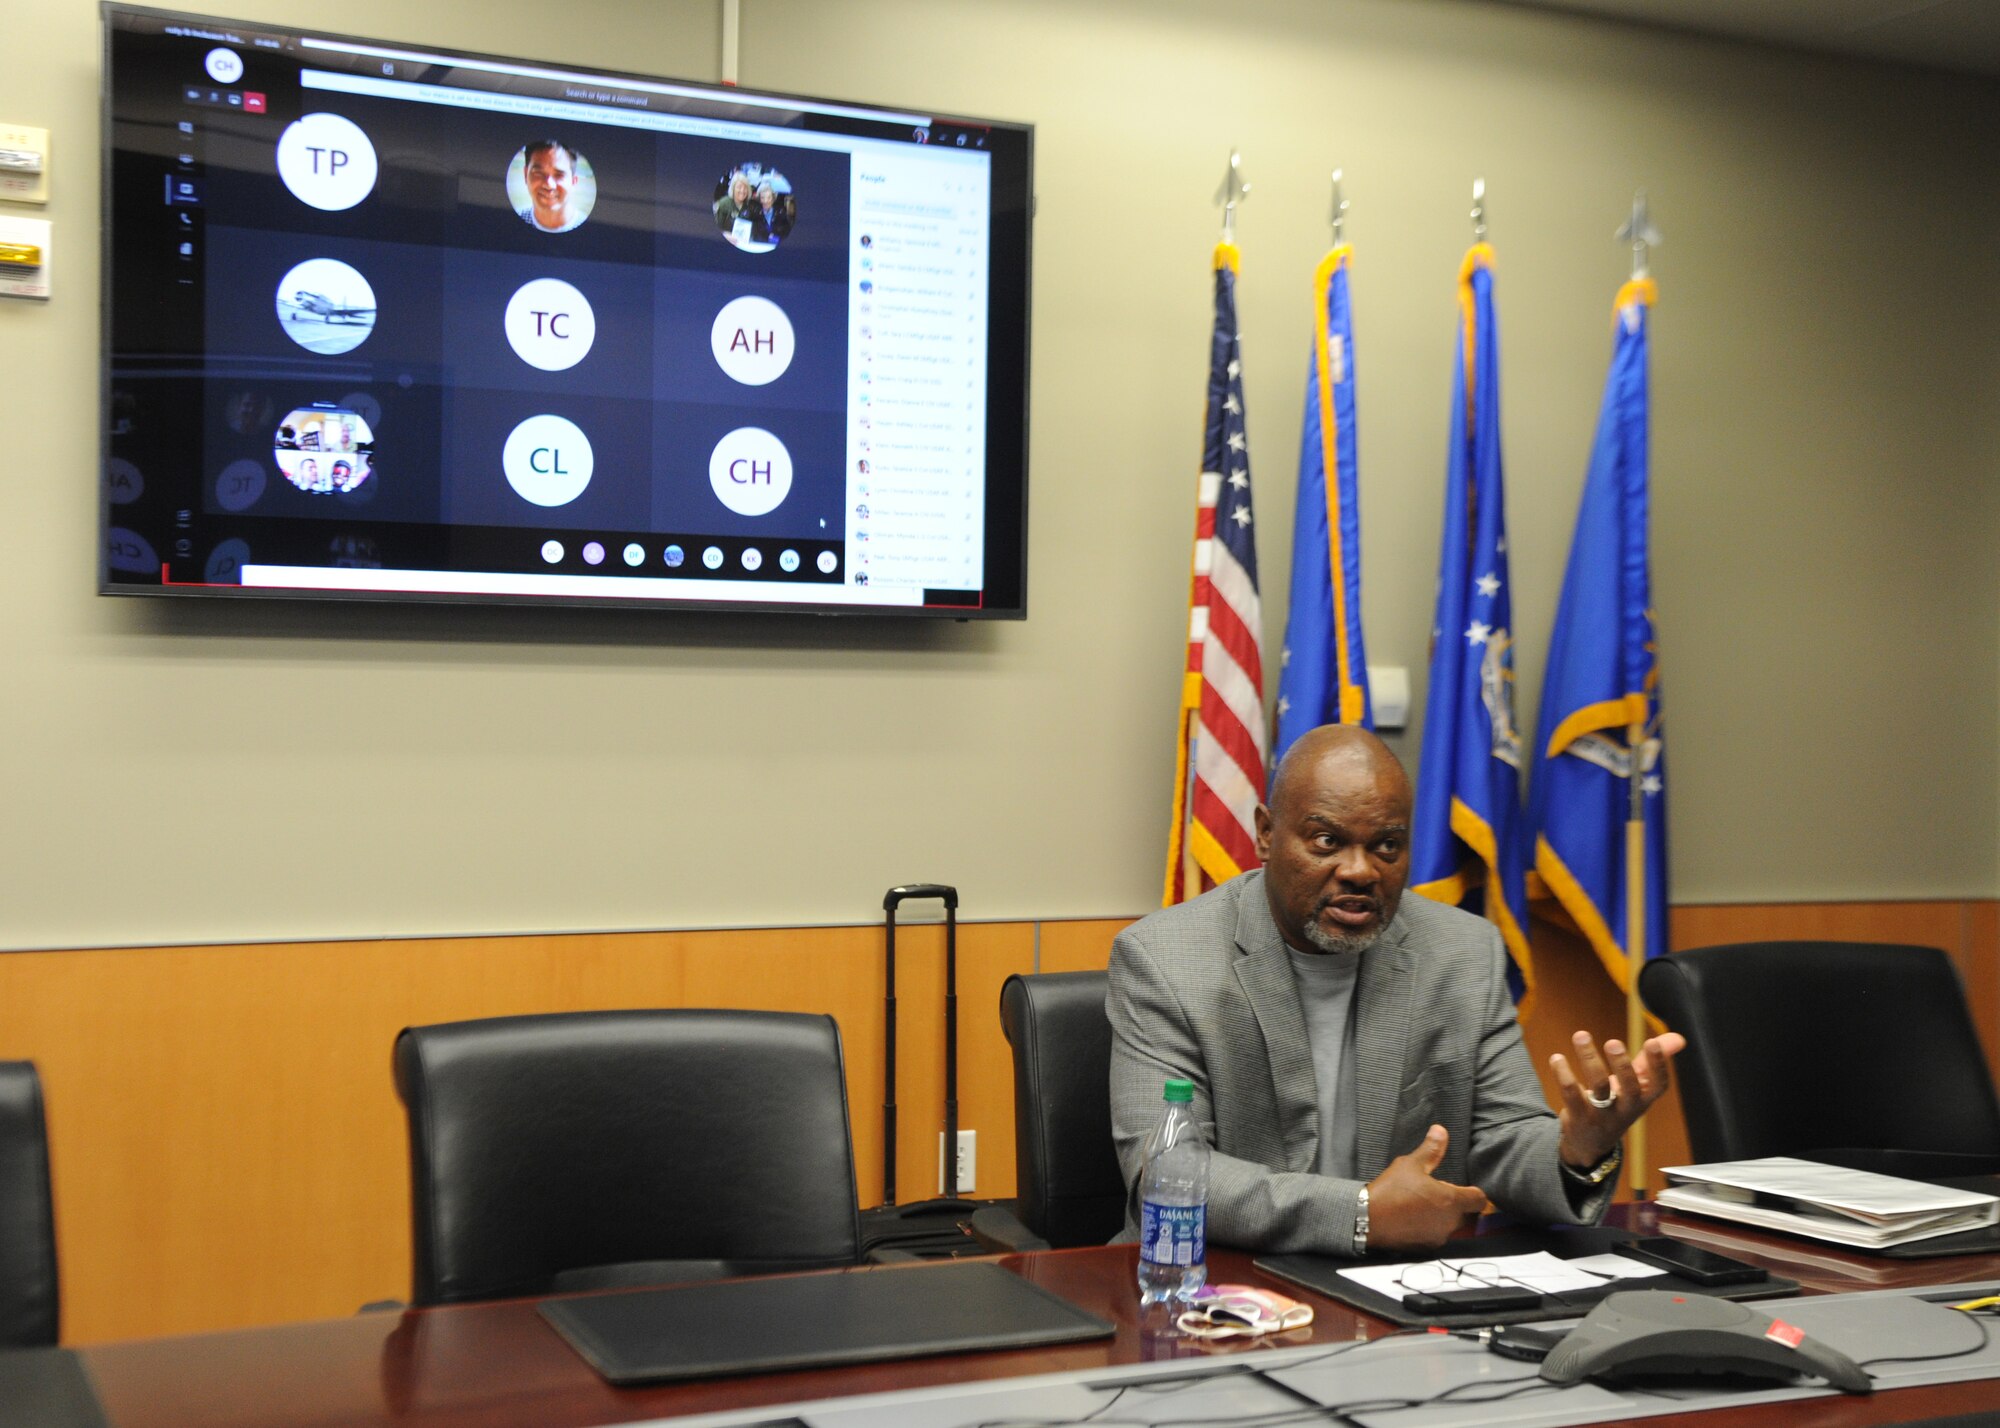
1599 1173
1361 1223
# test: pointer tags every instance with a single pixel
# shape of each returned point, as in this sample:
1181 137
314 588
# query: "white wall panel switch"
24 164
1389 693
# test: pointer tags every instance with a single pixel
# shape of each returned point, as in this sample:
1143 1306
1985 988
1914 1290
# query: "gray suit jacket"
1205 991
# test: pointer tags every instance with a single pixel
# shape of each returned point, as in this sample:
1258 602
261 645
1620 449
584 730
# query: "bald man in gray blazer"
1380 1113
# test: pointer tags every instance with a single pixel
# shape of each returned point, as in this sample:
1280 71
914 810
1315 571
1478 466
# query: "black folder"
1321 1274
814 1321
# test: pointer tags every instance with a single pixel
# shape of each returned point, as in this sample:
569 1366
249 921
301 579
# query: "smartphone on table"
1692 1262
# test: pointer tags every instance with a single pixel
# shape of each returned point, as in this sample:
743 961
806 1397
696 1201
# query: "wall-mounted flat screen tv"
388 322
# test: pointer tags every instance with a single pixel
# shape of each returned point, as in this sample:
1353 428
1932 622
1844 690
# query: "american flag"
1219 772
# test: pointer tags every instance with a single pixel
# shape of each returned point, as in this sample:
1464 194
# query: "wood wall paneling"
1980 966
1080 946
1934 924
228 1147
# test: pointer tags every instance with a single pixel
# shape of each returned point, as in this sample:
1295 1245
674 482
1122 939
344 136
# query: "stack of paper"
1825 1202
1540 1271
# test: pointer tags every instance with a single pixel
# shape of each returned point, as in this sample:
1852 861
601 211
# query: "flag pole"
1640 233
1211 847
1635 936
1231 192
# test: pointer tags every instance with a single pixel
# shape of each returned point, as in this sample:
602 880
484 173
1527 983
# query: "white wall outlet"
24 164
968 1162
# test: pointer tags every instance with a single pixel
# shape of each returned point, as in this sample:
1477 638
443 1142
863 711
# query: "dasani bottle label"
1173 1234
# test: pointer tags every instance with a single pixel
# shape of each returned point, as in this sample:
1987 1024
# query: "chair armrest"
999 1231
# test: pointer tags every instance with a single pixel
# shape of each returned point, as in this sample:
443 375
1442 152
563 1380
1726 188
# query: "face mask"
1232 1311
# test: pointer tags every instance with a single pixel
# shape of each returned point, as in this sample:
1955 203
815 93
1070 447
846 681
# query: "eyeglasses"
1434 1275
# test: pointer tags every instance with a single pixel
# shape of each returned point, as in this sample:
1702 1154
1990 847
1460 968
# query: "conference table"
500 1365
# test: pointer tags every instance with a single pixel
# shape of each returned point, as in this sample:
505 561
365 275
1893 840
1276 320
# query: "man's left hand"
1606 1092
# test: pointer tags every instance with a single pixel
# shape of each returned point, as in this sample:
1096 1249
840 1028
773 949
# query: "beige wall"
1825 522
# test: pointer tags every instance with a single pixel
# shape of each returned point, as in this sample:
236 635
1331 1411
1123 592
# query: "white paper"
1541 1272
1614 1266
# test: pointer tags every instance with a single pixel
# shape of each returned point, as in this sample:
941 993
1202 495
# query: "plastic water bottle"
1173 1203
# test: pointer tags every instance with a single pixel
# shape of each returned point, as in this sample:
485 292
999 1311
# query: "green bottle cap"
1180 1090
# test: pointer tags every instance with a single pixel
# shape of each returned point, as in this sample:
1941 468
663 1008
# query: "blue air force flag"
1468 844
1603 680
1324 679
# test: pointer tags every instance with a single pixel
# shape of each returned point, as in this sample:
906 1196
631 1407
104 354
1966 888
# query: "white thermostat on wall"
1389 692
24 164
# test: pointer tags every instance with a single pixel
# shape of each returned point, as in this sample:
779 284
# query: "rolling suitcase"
923 1229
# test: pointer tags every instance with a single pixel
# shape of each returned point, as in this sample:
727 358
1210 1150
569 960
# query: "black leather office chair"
593 1149
1071 1191
1859 1054
29 1296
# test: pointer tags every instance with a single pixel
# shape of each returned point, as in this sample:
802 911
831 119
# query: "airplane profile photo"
326 306
305 304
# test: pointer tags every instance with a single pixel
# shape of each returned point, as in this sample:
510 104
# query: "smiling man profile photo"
551 185
1359 1072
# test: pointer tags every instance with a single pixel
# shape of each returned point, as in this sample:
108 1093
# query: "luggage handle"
895 897
891 900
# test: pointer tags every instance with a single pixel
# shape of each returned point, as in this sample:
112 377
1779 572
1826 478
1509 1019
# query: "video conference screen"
390 323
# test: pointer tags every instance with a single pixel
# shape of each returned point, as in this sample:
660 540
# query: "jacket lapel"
1264 972
1381 1040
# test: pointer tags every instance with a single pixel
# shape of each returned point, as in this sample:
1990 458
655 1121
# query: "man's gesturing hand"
1408 1208
1606 1092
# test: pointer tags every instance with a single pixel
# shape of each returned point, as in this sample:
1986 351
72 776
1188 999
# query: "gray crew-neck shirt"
1326 994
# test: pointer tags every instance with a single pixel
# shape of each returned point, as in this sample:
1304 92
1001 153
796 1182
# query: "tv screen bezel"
1004 595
